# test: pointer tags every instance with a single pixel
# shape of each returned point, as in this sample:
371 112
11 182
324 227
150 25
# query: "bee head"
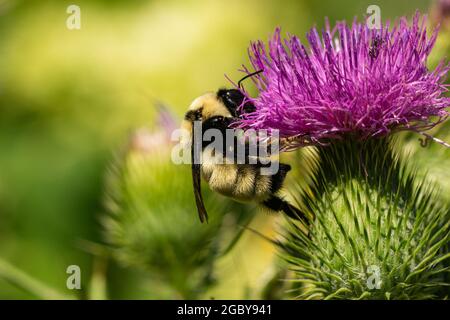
205 107
232 99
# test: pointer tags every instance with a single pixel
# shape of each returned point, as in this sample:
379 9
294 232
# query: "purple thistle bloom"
352 80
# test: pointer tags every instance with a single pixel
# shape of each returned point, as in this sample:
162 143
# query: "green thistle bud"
152 222
379 233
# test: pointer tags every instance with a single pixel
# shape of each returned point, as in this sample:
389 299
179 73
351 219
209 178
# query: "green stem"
97 287
22 280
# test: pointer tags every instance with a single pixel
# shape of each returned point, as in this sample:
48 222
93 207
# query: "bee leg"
277 204
278 178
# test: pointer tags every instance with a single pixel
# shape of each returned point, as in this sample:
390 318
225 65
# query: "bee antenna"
248 76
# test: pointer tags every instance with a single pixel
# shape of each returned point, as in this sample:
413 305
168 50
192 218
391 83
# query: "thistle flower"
352 80
373 219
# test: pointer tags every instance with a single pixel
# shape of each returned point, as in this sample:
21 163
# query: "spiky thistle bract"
378 233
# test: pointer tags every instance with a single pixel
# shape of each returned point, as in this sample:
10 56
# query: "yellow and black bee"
241 182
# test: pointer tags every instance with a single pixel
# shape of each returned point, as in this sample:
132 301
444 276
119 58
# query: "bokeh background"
69 101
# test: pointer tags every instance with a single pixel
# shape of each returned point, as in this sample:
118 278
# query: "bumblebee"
241 182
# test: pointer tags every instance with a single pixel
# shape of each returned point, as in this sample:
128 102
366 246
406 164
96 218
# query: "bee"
241 182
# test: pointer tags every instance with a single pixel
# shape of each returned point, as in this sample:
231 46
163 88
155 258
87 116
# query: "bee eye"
232 98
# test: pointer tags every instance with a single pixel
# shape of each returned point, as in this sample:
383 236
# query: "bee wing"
196 179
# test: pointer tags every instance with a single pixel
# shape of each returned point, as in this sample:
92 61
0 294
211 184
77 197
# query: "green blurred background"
70 98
